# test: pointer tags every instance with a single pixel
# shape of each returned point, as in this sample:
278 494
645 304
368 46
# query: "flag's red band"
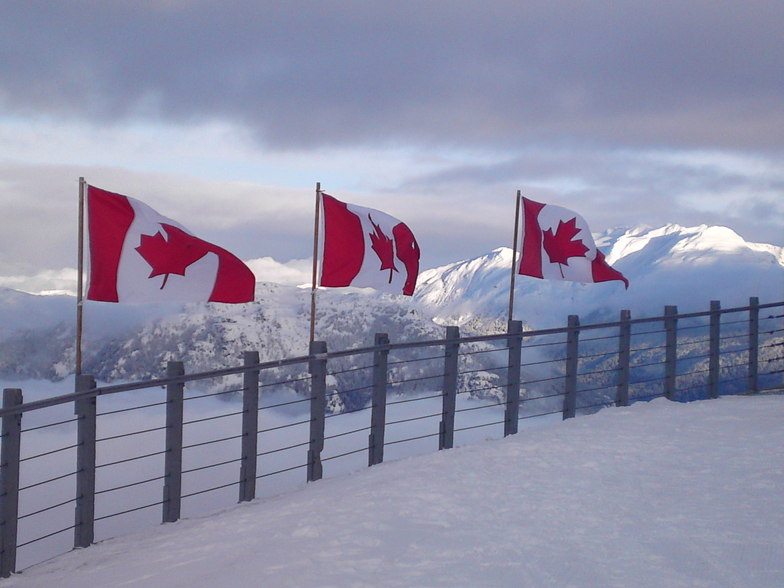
344 244
531 246
110 217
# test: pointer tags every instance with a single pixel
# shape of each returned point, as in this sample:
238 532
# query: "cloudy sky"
224 115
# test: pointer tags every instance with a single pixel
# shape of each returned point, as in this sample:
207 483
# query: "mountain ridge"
685 266
665 265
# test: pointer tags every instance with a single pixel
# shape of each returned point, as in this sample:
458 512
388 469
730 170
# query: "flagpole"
79 280
315 264
514 255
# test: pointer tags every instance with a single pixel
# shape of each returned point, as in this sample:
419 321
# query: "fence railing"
100 455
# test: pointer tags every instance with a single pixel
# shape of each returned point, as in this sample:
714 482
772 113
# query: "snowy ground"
658 494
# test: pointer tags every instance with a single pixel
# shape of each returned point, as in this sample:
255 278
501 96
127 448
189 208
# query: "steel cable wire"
478 407
323 459
349 370
279 449
288 403
296 467
212 418
51 452
221 440
45 509
479 426
286 381
128 511
352 411
419 379
41 483
418 418
131 434
345 433
417 399
47 536
417 359
119 461
480 352
539 414
119 410
213 489
213 394
412 438
211 465
129 485
31 429
287 425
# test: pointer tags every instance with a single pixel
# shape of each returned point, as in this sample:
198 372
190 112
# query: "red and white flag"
556 244
364 247
137 255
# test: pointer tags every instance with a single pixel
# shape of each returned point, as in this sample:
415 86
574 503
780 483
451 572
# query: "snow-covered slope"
122 341
276 325
685 266
657 494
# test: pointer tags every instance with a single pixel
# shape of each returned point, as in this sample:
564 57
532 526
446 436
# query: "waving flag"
137 255
366 248
556 244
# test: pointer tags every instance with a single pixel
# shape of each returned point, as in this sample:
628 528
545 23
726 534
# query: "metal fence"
112 459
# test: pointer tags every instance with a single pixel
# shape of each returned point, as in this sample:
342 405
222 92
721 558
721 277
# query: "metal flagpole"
315 262
79 280
514 255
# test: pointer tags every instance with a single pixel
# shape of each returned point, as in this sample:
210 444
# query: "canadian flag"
556 244
137 255
366 248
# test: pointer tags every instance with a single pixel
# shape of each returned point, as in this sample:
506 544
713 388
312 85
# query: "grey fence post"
172 486
670 350
446 432
515 343
713 365
9 481
572 350
250 427
85 409
318 403
753 344
378 415
624 350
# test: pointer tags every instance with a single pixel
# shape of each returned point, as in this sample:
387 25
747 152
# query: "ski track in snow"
657 494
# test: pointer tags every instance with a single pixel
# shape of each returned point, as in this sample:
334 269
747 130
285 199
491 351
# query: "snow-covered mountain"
686 266
120 344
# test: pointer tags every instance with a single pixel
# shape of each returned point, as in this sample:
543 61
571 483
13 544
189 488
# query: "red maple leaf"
384 248
172 255
560 246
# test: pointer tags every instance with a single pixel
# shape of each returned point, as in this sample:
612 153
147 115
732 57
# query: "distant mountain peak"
671 264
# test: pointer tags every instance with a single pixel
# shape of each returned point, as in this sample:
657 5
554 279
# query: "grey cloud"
493 74
623 187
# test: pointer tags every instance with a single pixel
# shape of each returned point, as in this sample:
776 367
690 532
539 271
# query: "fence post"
572 350
378 415
515 343
85 410
713 365
172 486
753 345
9 481
670 350
318 402
446 432
624 350
250 427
